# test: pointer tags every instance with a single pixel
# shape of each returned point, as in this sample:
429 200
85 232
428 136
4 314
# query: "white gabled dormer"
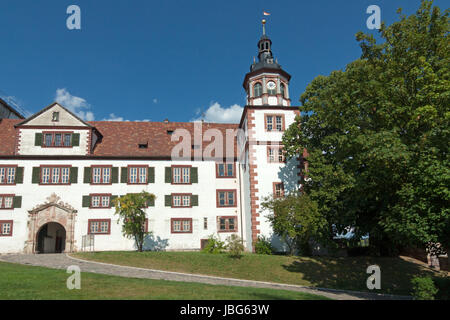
54 131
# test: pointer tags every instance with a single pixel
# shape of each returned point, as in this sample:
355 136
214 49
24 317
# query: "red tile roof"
122 139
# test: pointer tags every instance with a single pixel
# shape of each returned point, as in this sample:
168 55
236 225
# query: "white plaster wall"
257 102
159 215
246 206
245 187
27 147
273 101
272 172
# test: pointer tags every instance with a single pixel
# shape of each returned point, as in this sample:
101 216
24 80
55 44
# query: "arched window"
257 89
283 90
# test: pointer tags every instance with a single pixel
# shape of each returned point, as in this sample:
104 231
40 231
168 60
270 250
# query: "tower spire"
266 83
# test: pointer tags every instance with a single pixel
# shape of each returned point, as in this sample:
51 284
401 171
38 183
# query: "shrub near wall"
263 246
214 245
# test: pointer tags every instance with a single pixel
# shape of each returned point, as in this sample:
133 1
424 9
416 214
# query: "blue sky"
151 60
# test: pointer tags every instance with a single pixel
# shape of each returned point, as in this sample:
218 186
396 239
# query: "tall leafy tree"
130 209
296 219
378 137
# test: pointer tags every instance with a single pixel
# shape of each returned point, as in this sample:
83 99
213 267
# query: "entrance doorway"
51 238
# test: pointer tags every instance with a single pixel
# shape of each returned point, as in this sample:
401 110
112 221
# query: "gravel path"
62 261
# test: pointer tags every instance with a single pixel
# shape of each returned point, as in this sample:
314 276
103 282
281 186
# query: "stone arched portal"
53 211
51 238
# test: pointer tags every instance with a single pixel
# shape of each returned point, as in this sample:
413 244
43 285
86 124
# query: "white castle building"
58 174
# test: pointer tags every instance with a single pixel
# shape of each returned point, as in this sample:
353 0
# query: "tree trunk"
139 243
290 245
305 248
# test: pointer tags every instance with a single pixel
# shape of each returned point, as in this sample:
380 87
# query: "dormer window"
55 116
51 139
57 139
143 145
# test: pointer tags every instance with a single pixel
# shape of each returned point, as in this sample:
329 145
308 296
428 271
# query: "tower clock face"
271 85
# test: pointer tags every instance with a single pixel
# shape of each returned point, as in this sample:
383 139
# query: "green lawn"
29 282
338 273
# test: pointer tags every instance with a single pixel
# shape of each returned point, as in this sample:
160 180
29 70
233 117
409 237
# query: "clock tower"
267 84
265 171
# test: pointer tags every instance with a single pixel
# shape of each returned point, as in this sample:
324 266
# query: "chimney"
166 121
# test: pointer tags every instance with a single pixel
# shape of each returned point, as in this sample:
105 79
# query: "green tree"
130 209
377 135
296 219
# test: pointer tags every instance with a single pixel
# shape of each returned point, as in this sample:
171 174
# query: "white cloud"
113 117
77 105
216 113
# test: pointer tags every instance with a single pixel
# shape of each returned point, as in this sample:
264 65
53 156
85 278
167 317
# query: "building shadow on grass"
350 273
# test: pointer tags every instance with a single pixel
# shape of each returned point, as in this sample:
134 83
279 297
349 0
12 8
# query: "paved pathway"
62 261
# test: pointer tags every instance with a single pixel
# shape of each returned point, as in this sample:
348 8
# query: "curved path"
62 261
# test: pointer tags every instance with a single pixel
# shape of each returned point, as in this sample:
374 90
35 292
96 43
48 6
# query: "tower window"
257 89
278 189
274 122
283 90
275 155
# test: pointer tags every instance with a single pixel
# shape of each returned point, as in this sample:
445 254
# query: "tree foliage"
296 219
378 137
130 208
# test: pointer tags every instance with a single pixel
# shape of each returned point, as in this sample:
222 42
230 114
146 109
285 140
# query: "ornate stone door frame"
51 211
